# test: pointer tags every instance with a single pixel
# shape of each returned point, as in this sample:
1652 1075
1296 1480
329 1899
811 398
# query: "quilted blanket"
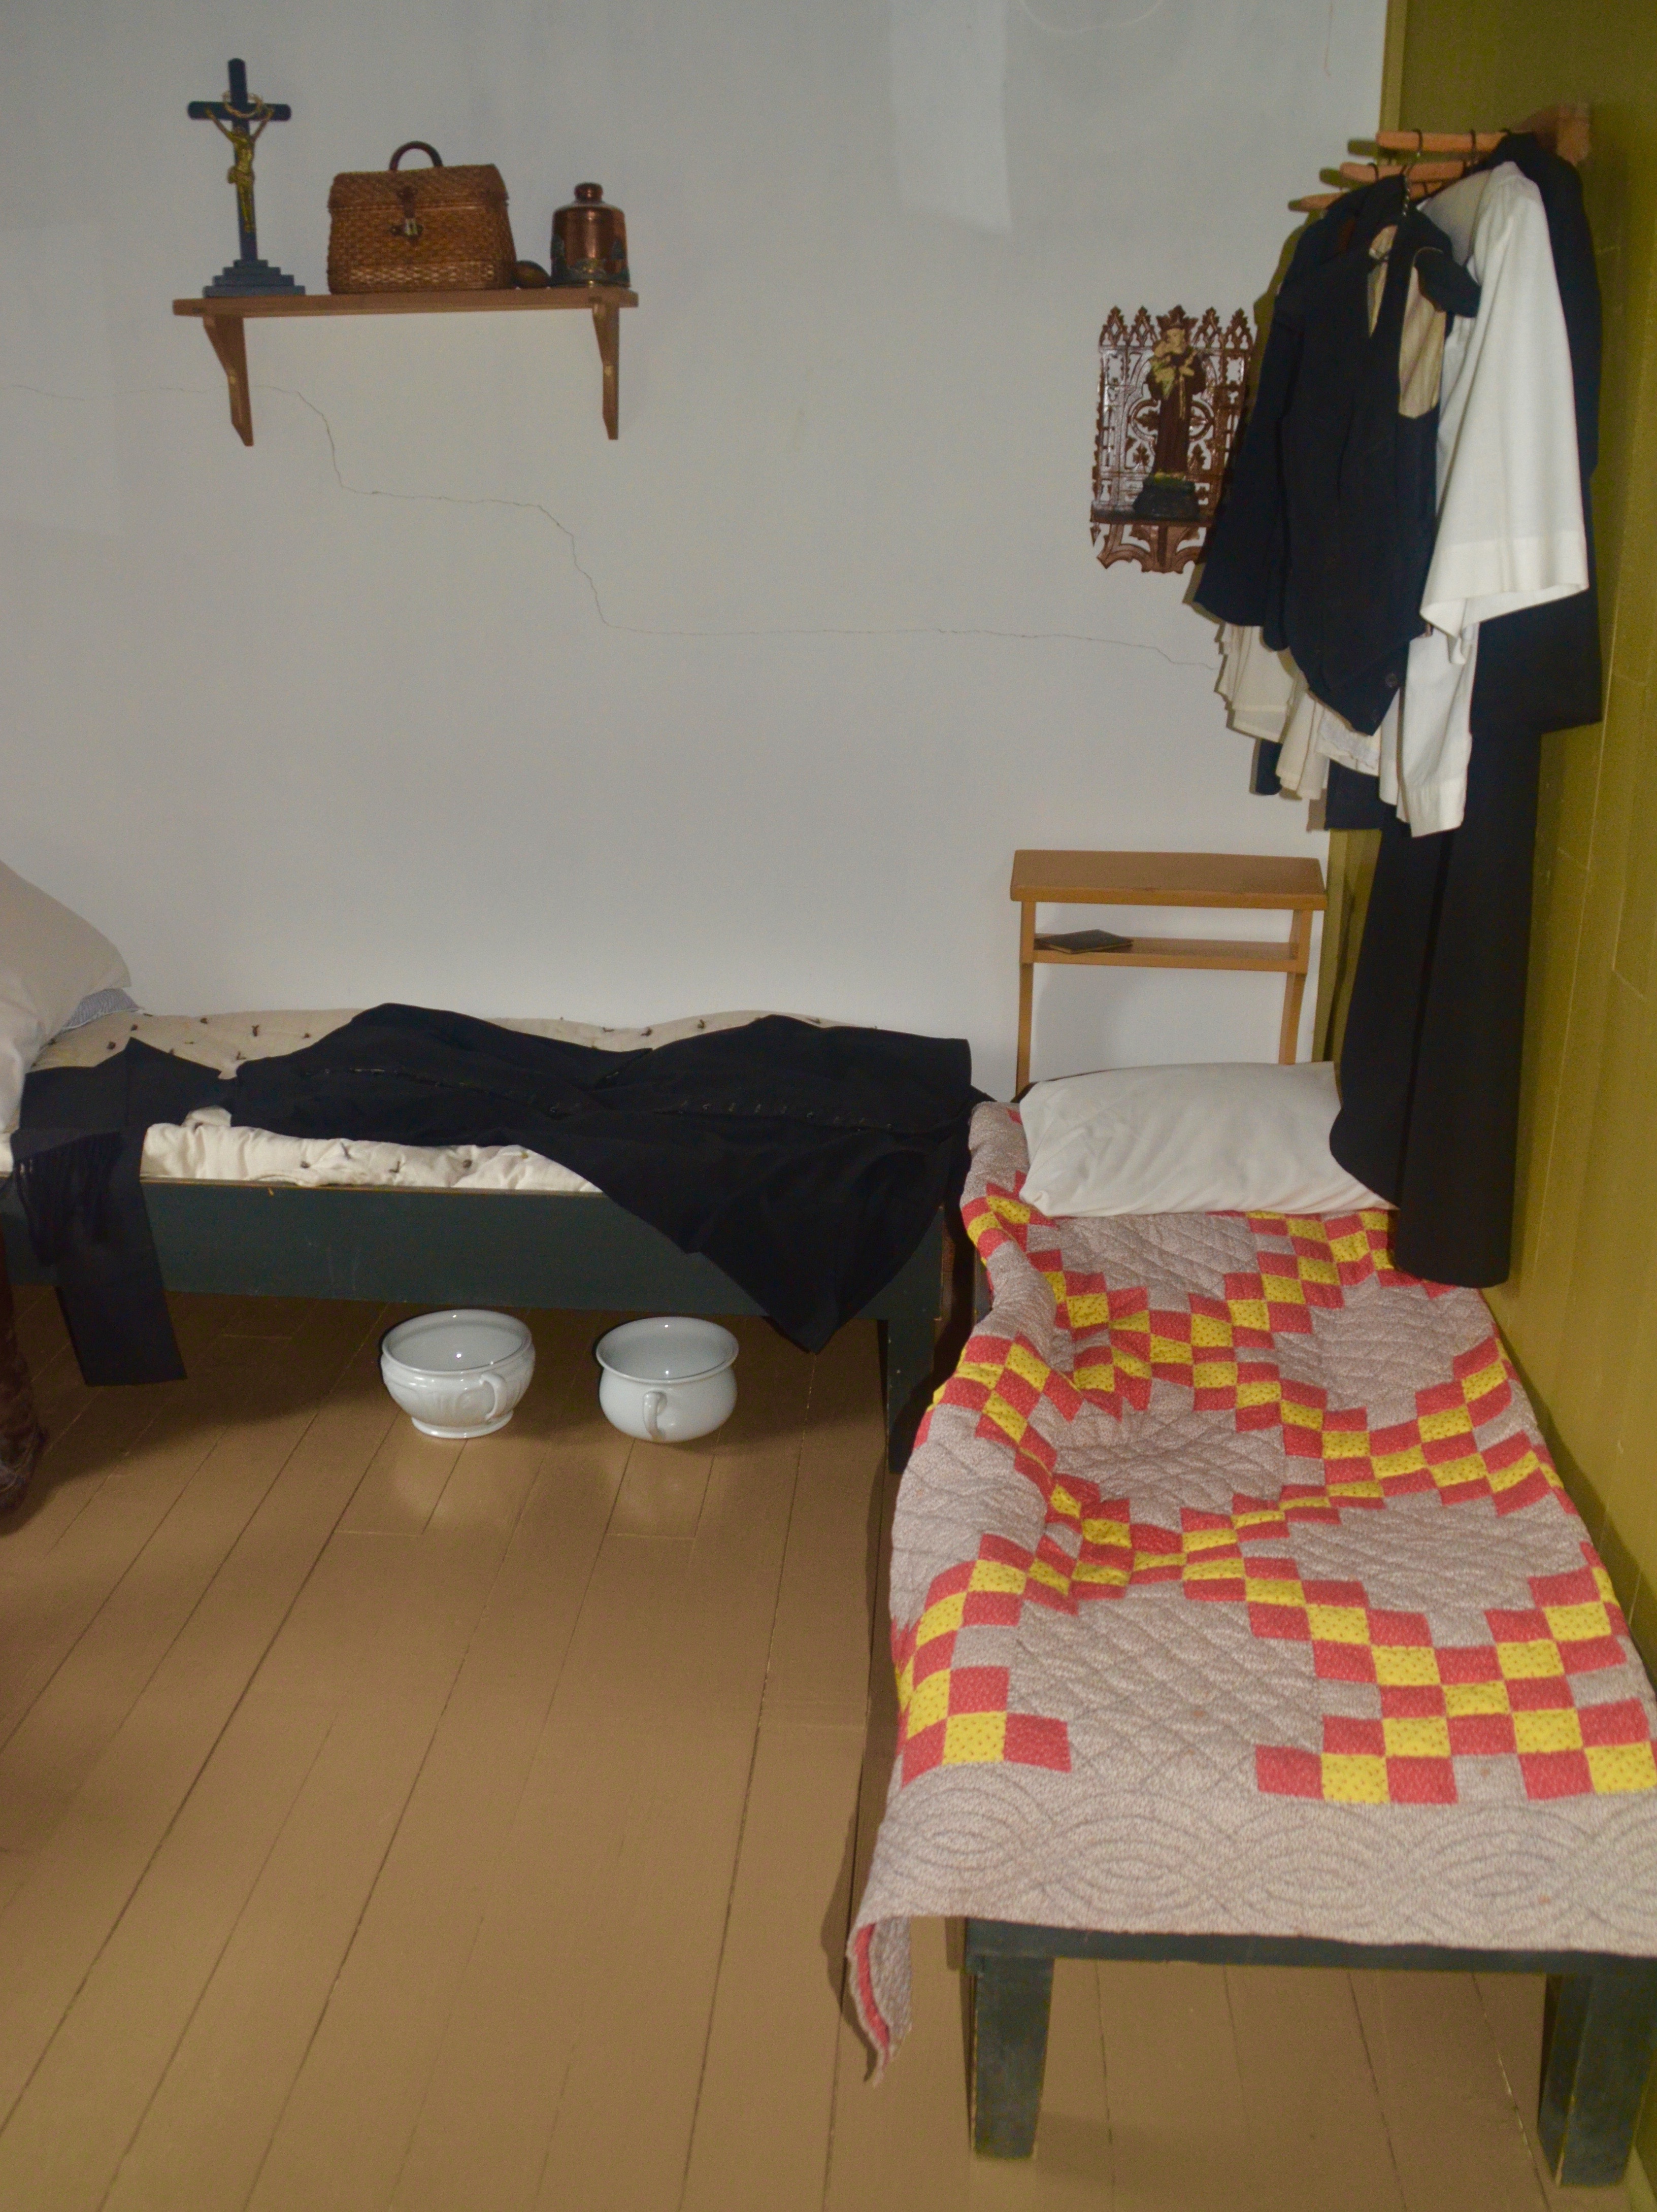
1234 1591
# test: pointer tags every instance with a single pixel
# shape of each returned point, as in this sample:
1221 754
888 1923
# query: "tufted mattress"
1233 1592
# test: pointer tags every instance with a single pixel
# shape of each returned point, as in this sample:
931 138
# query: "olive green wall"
1580 1311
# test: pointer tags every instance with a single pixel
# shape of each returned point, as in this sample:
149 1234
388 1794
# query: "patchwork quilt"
1234 1591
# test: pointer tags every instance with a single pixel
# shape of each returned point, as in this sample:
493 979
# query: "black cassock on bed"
804 1162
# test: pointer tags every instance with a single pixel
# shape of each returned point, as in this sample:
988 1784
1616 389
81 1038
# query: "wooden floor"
390 1824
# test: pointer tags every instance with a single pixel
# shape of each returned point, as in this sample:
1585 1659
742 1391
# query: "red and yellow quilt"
1234 1591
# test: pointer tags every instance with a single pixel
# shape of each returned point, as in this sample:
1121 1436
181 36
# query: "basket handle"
417 146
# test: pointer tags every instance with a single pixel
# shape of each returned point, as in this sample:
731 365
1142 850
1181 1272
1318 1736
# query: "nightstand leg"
1026 994
1288 1042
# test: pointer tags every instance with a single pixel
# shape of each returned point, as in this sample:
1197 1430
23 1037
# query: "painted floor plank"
58 1921
654 1720
1454 2126
101 1675
206 2132
347 2125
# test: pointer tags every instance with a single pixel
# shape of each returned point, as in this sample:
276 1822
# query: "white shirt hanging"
1510 528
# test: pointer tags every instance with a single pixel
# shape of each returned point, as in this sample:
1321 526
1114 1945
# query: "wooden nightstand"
1181 879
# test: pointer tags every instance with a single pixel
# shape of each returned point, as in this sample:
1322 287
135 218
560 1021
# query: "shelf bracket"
227 335
606 328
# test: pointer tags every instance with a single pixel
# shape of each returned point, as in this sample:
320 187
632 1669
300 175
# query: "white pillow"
1243 1136
50 960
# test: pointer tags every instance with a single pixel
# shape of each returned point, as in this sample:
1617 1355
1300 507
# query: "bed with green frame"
568 1250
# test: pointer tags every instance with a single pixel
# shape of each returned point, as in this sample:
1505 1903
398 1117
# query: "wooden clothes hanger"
1562 129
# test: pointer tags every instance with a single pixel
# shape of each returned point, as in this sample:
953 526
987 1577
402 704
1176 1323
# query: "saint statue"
1173 378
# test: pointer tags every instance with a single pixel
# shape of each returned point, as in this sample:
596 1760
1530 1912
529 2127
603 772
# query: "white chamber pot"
667 1380
459 1373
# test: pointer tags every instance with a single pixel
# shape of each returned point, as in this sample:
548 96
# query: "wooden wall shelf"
225 319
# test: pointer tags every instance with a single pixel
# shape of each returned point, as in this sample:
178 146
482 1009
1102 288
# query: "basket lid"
480 185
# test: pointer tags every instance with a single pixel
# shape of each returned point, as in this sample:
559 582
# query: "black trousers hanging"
1430 1066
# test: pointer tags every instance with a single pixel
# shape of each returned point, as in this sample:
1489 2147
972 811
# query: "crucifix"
242 120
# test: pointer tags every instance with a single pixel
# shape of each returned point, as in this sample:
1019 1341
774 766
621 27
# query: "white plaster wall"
436 694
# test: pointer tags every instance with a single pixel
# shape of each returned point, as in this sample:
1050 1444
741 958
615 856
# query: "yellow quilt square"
997 1575
1420 1736
1614 1767
1548 1731
930 1702
1354 1777
974 1739
1344 1444
1454 1421
1405 1666
1027 1363
1577 1623
1529 1663
1337 1624
938 1619
1259 1591
1005 1416
1462 1698
1106 1532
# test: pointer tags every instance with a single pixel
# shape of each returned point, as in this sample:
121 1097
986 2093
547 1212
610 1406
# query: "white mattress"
206 1149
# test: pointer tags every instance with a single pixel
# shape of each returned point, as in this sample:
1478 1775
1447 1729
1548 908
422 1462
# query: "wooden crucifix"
242 120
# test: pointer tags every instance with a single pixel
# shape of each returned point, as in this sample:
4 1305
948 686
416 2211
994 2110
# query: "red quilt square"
1621 1722
1481 1735
924 1751
1332 1593
1032 1741
1342 1733
979 1690
1555 1774
1343 1663
933 1657
1410 1701
1408 1629
1284 1773
990 1609
1279 1624
1507 1627
1421 1781
1216 1589
1541 1693
1577 1588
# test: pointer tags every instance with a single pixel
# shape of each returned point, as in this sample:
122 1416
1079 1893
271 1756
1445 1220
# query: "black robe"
804 1162
1431 1061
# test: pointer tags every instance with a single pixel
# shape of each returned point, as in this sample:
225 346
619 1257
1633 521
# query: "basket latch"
412 227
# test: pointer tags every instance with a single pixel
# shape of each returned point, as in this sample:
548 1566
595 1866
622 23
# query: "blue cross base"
245 276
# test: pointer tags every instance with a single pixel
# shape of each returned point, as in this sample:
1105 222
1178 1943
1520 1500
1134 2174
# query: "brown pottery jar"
590 240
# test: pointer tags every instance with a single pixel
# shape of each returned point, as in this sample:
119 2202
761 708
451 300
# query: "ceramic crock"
667 1380
460 1373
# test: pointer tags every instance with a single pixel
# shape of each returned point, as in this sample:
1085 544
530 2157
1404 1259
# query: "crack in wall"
643 629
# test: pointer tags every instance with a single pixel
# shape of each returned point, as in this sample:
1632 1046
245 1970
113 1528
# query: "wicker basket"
422 230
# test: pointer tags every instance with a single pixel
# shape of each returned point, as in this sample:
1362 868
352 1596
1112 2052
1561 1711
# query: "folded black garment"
806 1163
76 1158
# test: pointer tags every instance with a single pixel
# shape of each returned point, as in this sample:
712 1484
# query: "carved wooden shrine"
1136 406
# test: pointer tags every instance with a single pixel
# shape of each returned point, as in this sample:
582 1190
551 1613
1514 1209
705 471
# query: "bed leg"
1011 1998
1601 2031
908 1369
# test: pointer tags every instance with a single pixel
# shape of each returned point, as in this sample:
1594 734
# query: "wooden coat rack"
1562 129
